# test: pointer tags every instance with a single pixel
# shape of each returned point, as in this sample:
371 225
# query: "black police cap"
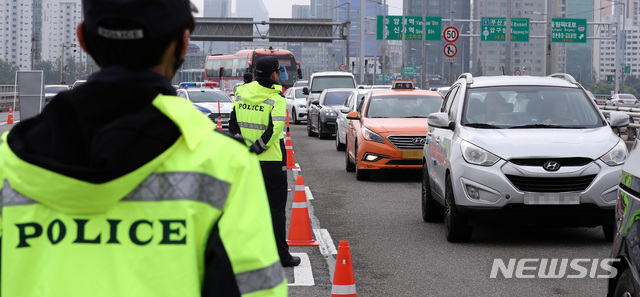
267 65
152 18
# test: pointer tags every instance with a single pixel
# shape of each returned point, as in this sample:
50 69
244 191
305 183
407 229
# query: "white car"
51 91
213 103
296 104
353 103
553 162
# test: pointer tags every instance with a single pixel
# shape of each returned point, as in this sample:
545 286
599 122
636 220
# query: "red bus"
228 70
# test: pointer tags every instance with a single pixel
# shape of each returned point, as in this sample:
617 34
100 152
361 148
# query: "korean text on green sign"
393 27
568 30
494 29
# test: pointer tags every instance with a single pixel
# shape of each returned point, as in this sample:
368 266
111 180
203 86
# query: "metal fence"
7 96
634 113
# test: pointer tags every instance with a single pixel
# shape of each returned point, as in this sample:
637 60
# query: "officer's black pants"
275 180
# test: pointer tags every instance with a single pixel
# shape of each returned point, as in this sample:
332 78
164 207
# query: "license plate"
412 154
551 199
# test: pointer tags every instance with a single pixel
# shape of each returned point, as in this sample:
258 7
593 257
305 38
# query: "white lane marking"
326 243
302 274
307 193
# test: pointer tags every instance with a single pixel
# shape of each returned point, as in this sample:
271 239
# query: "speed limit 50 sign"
450 34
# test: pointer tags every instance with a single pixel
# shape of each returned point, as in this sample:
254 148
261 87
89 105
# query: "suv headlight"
370 135
617 155
475 155
330 112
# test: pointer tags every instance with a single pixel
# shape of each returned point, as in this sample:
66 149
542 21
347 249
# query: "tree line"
51 71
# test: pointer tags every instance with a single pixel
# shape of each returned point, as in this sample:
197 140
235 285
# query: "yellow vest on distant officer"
253 106
146 233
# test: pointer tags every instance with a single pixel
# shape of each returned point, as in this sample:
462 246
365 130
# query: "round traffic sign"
342 67
450 34
450 50
517 72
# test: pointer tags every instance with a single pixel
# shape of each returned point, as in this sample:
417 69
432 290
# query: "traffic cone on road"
219 125
299 225
291 162
10 118
344 283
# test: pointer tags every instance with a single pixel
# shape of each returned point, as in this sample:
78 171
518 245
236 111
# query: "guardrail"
7 95
634 114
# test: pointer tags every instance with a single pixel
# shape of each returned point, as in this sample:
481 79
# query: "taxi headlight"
475 155
616 156
370 135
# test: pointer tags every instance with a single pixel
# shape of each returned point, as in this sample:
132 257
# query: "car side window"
448 100
347 102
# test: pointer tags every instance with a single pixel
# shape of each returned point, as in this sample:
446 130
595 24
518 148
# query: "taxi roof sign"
403 85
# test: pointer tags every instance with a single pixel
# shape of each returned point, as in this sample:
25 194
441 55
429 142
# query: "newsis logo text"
554 268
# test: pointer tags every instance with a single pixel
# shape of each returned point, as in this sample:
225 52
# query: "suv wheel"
339 145
321 135
432 211
361 174
625 287
456 225
309 132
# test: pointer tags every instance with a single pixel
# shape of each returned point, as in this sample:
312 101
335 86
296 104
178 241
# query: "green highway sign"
409 70
413 28
392 27
627 69
568 30
433 28
409 28
387 77
494 29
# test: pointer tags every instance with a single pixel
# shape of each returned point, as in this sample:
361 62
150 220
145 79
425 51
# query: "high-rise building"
437 70
39 30
216 8
300 11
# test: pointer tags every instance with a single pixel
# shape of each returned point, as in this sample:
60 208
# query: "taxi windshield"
202 96
405 106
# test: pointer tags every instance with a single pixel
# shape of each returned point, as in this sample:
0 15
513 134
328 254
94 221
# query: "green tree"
601 88
7 73
478 68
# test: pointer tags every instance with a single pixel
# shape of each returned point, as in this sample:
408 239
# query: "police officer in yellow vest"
259 115
120 188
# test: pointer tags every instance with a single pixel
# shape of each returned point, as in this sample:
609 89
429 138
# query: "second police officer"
259 115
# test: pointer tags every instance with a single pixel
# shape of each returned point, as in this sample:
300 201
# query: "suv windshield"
335 98
325 82
200 96
529 107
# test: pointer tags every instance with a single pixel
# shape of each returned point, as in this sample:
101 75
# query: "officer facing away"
247 78
259 115
120 188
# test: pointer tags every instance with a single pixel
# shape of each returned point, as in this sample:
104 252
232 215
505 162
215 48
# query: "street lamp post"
62 65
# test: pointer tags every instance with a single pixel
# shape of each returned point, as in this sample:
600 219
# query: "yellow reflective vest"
256 109
145 233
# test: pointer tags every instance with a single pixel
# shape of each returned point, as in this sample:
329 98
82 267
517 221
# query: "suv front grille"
551 184
562 161
407 142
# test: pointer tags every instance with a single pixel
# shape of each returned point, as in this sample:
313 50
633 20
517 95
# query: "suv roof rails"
467 76
564 76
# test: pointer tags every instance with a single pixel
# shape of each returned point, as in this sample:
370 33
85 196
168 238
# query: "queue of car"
213 103
296 104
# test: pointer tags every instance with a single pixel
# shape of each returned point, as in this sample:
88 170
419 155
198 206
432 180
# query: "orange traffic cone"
291 163
299 225
219 125
10 118
343 282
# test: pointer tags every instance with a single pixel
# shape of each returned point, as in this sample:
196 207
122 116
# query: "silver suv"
524 149
327 80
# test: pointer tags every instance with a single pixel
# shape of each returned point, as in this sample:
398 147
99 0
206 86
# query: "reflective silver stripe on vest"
238 98
260 127
261 279
270 102
261 143
282 119
9 197
182 186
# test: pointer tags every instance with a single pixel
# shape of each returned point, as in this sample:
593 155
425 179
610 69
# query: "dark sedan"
322 113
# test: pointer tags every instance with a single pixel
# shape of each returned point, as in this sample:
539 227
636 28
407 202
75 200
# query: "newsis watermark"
554 268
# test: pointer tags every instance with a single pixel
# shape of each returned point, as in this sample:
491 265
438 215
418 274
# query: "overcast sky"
282 8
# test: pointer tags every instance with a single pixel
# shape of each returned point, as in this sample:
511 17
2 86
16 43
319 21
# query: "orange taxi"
390 131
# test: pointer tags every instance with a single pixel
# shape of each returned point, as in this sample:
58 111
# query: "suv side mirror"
305 91
618 119
439 120
299 73
345 109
